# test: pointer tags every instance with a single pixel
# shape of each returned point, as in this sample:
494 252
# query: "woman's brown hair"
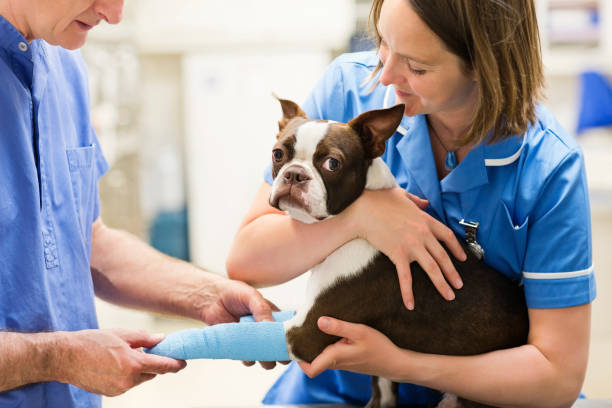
499 41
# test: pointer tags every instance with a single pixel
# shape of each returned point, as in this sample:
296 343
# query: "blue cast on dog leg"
247 340
278 316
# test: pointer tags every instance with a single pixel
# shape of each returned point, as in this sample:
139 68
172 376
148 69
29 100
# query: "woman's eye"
277 154
331 164
417 71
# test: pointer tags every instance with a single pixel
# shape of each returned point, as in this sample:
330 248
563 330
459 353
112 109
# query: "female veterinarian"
476 144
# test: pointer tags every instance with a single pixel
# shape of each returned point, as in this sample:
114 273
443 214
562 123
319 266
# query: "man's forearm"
26 358
128 272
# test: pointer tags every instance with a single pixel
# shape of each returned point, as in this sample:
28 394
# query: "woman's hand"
362 350
392 221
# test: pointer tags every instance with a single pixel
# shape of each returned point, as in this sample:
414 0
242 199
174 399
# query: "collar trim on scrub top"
506 160
488 162
558 275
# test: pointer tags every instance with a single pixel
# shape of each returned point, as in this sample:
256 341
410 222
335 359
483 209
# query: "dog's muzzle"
290 185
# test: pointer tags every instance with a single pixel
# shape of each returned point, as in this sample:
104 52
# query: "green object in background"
169 233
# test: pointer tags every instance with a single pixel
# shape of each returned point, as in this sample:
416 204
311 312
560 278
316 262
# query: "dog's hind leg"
384 393
463 403
375 399
452 401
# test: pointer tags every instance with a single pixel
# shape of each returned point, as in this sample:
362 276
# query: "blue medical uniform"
529 194
50 163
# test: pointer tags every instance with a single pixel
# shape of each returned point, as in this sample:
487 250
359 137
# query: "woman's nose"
390 71
109 10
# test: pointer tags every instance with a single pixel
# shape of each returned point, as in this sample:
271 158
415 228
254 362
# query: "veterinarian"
476 145
55 251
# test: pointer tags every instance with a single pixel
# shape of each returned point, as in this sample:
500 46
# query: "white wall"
231 122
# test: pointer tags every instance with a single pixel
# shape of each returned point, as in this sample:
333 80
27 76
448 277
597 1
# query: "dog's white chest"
348 260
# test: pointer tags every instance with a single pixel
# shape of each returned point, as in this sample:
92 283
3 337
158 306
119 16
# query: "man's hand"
362 349
109 362
235 299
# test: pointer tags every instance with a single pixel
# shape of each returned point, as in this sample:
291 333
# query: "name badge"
471 227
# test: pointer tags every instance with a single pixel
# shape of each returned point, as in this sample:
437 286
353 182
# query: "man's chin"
71 41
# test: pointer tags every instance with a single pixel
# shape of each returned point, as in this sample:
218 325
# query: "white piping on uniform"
557 275
488 162
506 160
386 100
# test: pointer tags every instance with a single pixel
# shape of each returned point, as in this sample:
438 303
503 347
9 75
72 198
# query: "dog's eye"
331 164
277 155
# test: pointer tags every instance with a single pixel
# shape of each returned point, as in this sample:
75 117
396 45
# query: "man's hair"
497 40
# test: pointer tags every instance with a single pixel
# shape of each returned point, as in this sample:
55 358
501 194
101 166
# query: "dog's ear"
376 126
290 111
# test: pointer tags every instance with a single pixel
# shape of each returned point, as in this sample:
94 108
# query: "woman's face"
427 77
67 22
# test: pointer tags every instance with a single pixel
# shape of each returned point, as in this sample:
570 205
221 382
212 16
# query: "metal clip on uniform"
471 227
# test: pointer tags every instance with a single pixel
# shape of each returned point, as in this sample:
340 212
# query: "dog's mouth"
287 196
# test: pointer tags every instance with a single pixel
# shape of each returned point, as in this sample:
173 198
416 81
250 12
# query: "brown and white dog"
320 168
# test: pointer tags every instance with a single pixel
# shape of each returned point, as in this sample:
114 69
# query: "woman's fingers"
446 235
441 257
402 264
397 225
431 268
340 328
420 202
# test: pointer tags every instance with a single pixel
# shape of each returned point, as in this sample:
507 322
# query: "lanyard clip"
471 227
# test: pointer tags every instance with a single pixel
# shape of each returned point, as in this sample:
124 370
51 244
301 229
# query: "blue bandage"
247 340
278 316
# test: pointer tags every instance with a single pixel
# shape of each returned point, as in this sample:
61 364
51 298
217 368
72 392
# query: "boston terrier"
319 168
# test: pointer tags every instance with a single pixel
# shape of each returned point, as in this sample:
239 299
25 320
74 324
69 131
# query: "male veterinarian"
55 252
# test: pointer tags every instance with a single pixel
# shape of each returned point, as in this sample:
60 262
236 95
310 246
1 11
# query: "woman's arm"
271 248
547 372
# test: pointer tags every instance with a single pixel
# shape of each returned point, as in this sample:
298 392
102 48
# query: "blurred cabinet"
576 35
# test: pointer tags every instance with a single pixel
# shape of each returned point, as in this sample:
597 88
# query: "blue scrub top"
529 194
50 163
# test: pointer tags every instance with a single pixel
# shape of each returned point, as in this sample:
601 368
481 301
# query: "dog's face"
320 167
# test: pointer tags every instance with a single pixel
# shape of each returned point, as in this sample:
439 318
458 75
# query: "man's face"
67 22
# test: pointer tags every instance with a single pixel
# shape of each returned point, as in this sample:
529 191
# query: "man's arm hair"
27 358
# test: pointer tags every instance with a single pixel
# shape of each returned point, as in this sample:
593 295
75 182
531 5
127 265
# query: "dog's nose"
295 175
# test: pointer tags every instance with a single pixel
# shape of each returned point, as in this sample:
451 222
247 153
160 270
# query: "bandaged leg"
247 340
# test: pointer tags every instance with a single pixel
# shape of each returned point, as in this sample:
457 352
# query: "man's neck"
10 10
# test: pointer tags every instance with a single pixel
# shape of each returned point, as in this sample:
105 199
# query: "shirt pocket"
83 182
510 238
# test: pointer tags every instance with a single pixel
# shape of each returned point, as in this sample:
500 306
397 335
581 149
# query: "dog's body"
320 168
